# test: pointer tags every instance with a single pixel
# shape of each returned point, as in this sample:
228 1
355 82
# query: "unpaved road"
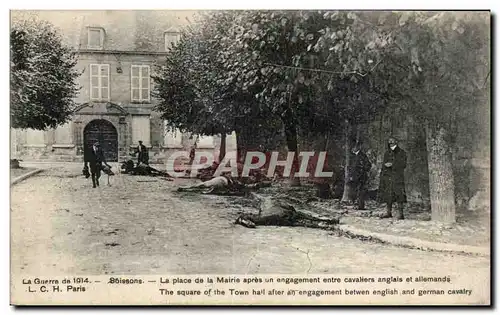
60 225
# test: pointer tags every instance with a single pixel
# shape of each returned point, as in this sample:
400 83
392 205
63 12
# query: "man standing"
358 174
392 182
95 157
143 155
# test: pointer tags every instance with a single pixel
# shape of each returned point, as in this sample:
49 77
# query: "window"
140 83
95 38
141 130
171 38
99 82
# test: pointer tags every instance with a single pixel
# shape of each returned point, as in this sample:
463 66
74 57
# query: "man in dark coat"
358 174
94 157
392 182
143 155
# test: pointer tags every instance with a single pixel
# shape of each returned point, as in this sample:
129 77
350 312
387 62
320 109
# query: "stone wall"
119 76
177 141
49 145
130 30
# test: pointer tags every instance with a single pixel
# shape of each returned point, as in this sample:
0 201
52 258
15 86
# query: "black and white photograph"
289 156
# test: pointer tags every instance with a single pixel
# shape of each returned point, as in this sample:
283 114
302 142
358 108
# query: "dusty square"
138 225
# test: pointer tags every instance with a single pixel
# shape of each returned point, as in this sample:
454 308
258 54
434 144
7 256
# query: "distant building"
116 52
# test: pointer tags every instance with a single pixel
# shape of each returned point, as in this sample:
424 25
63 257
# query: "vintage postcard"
250 157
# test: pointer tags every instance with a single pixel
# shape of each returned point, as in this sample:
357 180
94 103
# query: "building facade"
117 51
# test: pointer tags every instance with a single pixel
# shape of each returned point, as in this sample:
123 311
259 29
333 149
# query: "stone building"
116 54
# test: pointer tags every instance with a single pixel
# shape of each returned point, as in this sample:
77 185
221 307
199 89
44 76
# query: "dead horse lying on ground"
141 169
278 212
222 185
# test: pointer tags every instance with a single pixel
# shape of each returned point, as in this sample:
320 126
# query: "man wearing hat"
94 157
143 155
392 179
358 175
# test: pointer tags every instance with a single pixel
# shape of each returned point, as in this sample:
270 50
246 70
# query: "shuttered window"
140 83
99 82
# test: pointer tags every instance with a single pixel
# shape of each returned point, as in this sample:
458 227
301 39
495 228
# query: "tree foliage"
249 63
314 70
317 64
436 59
197 95
189 83
43 77
319 72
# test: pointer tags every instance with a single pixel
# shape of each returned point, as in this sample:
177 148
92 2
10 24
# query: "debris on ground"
277 208
112 232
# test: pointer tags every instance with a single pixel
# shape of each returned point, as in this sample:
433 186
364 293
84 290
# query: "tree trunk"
441 181
323 189
242 144
222 150
382 143
291 141
346 197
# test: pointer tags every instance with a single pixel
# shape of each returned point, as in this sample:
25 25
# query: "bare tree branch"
325 71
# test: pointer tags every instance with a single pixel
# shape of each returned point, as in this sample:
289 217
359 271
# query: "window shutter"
99 82
140 83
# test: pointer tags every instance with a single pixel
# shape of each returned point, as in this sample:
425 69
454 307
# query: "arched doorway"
103 131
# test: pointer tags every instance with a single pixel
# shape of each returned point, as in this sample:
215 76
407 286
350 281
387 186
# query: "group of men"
95 158
392 186
391 189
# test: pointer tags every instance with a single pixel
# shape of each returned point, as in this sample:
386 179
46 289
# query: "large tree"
354 83
451 59
270 55
43 78
246 70
194 90
319 70
437 62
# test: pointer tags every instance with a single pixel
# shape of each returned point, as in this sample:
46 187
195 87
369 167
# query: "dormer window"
95 38
171 38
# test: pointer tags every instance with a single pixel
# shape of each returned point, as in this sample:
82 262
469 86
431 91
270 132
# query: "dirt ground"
470 228
138 225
